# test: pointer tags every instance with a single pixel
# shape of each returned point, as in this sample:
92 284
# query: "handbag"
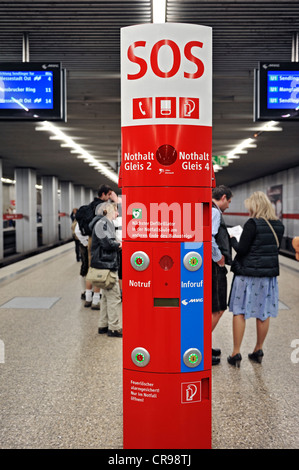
102 278
274 233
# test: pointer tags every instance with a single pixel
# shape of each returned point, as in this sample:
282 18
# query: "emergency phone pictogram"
142 108
165 107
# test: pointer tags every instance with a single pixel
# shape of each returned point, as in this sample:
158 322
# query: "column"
50 209
79 196
89 196
26 232
66 207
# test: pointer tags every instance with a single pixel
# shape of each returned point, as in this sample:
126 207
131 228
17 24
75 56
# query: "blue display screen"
26 90
282 90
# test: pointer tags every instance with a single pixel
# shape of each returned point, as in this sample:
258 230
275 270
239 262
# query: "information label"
26 89
283 90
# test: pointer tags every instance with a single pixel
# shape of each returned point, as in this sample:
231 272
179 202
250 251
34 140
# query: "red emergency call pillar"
166 93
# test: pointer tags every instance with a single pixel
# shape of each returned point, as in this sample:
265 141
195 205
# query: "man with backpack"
84 216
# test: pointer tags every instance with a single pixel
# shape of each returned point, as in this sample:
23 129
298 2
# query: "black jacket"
223 239
104 247
257 251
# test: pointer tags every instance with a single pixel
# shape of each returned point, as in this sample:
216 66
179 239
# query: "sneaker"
103 330
116 333
95 307
87 304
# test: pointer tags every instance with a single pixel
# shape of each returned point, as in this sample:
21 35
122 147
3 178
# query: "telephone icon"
140 107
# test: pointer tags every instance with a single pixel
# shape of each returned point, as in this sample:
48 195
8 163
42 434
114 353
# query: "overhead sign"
32 91
167 76
220 160
277 91
166 91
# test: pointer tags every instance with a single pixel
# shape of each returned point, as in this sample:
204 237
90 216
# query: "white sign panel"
166 74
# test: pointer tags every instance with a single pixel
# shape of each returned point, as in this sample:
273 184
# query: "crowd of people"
100 249
255 267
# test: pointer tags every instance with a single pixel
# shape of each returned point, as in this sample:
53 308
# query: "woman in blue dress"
254 291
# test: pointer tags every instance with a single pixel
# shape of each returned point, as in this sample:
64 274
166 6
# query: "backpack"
84 216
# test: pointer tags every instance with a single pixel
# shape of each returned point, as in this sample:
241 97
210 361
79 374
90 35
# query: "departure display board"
32 91
27 90
277 91
283 89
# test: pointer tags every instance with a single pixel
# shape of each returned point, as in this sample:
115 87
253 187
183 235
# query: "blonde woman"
254 291
104 255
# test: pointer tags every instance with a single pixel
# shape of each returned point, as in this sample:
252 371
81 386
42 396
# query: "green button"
139 261
193 358
193 261
139 357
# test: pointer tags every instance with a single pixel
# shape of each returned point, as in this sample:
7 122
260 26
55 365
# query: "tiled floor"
61 382
257 406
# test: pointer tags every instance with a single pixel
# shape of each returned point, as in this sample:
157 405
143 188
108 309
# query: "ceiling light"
8 181
268 126
68 142
159 11
217 168
232 157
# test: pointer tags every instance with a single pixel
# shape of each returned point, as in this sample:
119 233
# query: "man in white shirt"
221 255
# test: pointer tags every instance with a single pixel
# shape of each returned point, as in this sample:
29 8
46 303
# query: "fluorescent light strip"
9 181
251 143
75 148
159 11
270 126
217 167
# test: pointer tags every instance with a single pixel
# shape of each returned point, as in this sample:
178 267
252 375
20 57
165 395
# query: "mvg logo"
186 301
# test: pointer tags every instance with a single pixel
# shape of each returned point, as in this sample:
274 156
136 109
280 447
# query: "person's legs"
219 302
262 328
88 294
238 332
103 318
96 298
88 286
83 269
114 308
216 317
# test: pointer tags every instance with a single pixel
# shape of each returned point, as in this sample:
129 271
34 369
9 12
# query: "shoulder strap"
274 233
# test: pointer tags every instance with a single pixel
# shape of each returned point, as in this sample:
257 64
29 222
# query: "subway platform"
61 382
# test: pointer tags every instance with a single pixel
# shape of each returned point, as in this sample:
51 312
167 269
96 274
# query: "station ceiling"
85 37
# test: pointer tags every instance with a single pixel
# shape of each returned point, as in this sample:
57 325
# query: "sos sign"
166 62
154 62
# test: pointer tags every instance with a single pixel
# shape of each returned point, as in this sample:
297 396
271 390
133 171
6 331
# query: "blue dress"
254 297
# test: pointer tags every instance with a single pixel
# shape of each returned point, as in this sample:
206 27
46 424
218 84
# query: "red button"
166 155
